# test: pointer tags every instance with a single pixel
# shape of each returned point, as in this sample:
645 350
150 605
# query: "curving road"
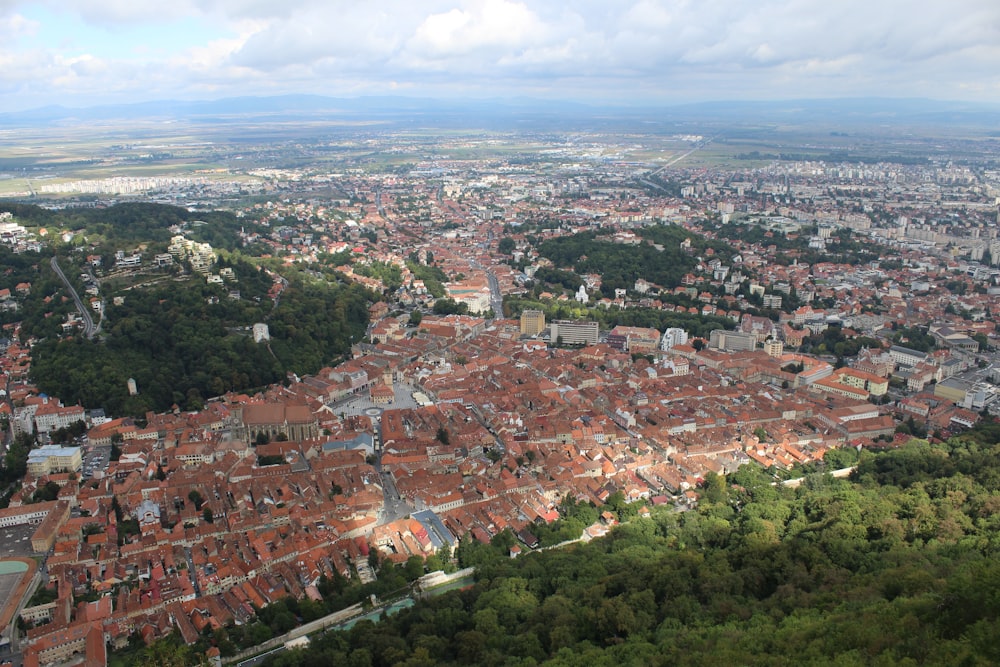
89 328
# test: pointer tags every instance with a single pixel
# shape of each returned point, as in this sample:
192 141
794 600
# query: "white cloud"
15 26
496 25
315 34
582 48
87 66
117 12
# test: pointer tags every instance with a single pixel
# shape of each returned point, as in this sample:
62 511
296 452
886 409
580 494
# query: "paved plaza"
360 405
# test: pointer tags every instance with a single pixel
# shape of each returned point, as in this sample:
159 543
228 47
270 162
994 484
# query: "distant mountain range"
406 110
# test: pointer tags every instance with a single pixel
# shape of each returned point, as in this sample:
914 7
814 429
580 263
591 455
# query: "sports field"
15 577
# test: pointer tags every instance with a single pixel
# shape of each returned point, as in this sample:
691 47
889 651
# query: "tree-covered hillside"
181 339
620 265
32 268
135 222
186 341
896 567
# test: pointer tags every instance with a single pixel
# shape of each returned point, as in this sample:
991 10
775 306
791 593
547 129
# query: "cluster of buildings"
200 255
441 427
15 236
121 185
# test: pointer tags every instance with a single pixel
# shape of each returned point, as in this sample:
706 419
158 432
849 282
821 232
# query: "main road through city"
496 297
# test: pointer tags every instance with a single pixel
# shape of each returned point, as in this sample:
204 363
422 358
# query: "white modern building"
673 337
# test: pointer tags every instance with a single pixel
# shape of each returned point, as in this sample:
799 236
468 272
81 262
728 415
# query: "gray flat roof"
436 530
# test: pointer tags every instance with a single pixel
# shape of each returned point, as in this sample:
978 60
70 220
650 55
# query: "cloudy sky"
87 52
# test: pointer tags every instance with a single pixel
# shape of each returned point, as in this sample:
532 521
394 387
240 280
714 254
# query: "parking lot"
16 540
96 460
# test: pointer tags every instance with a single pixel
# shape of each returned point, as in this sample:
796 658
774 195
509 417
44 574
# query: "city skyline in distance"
646 53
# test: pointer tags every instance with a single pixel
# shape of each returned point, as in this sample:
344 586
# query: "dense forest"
314 324
181 339
33 268
136 222
184 342
620 265
896 566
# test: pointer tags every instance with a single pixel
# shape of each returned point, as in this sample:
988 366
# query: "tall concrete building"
567 332
731 341
774 348
673 336
532 322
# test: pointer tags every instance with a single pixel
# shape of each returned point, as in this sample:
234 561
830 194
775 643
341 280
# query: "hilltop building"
201 255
